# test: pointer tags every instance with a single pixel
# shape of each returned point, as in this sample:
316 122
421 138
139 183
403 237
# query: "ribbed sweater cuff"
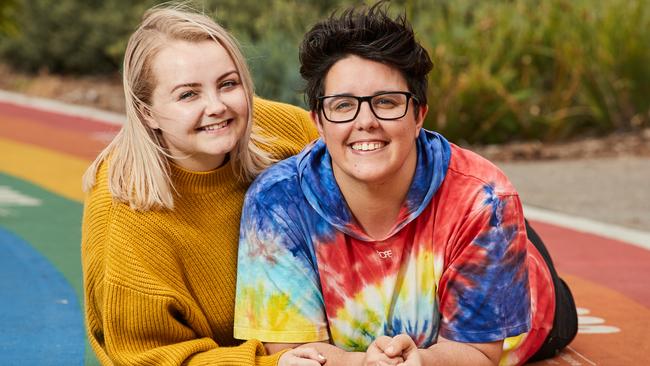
247 354
271 360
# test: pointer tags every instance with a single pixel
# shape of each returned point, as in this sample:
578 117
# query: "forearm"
337 356
450 353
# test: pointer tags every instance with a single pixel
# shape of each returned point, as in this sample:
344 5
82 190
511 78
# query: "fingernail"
321 357
389 349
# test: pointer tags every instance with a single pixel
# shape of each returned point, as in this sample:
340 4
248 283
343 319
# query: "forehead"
183 59
359 76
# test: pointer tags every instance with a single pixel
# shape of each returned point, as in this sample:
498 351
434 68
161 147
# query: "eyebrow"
188 85
354 95
194 85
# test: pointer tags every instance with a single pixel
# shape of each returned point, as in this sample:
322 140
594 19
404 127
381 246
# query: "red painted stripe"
610 263
61 120
82 144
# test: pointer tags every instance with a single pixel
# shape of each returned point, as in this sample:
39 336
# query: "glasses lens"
340 108
389 105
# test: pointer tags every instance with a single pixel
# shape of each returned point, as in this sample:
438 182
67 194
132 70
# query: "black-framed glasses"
388 106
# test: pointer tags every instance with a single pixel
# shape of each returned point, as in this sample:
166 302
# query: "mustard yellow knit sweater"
160 285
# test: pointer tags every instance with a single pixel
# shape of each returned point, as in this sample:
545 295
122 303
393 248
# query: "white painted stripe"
11 197
583 357
635 237
61 107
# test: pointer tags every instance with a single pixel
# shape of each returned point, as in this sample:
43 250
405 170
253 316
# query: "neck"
201 163
376 205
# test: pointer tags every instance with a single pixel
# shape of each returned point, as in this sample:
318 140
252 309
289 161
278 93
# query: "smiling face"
368 150
199 103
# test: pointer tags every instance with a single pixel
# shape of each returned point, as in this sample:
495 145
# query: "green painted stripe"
53 227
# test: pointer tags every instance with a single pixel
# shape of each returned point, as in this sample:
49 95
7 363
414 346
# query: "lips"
215 126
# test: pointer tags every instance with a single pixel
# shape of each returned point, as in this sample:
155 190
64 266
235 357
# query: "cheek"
335 134
176 117
407 134
236 101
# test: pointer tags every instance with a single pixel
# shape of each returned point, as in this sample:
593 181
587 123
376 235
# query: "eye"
186 95
342 105
229 84
385 102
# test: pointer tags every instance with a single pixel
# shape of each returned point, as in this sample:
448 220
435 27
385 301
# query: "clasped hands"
400 350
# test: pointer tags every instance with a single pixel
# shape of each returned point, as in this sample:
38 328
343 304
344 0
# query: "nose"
366 119
214 105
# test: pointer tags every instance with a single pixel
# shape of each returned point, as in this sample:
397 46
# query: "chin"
223 148
371 177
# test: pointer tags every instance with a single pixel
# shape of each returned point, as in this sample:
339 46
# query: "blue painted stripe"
41 319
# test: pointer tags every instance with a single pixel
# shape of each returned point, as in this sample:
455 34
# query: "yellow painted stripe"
49 169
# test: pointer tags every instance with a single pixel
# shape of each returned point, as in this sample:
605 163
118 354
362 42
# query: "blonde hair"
139 172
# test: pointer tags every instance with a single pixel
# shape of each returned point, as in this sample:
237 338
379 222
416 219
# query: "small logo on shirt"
385 254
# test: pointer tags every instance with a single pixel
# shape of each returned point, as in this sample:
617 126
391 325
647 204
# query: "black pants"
565 322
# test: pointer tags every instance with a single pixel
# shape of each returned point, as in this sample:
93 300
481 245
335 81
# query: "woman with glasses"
383 238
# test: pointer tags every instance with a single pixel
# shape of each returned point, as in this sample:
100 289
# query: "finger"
295 361
382 342
309 353
401 343
391 362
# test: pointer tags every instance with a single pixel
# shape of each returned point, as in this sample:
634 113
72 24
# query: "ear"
147 115
419 119
315 116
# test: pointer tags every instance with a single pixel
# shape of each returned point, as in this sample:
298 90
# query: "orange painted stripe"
605 308
61 120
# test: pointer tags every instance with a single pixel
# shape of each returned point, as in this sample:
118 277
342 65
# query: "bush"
525 69
7 14
70 36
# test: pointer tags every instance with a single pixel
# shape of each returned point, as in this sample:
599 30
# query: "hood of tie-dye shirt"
323 194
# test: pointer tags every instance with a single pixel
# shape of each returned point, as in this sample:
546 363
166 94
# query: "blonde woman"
161 218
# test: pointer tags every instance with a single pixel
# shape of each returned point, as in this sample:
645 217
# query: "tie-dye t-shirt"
457 263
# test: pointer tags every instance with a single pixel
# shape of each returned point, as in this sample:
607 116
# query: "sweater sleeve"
139 309
146 329
288 128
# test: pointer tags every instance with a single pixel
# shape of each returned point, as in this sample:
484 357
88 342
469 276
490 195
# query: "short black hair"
369 33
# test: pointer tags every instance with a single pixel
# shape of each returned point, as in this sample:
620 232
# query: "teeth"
367 146
217 126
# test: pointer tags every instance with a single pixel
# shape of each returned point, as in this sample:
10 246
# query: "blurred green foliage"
7 14
504 69
528 69
70 36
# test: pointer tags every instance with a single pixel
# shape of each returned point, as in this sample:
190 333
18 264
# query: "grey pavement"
609 190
